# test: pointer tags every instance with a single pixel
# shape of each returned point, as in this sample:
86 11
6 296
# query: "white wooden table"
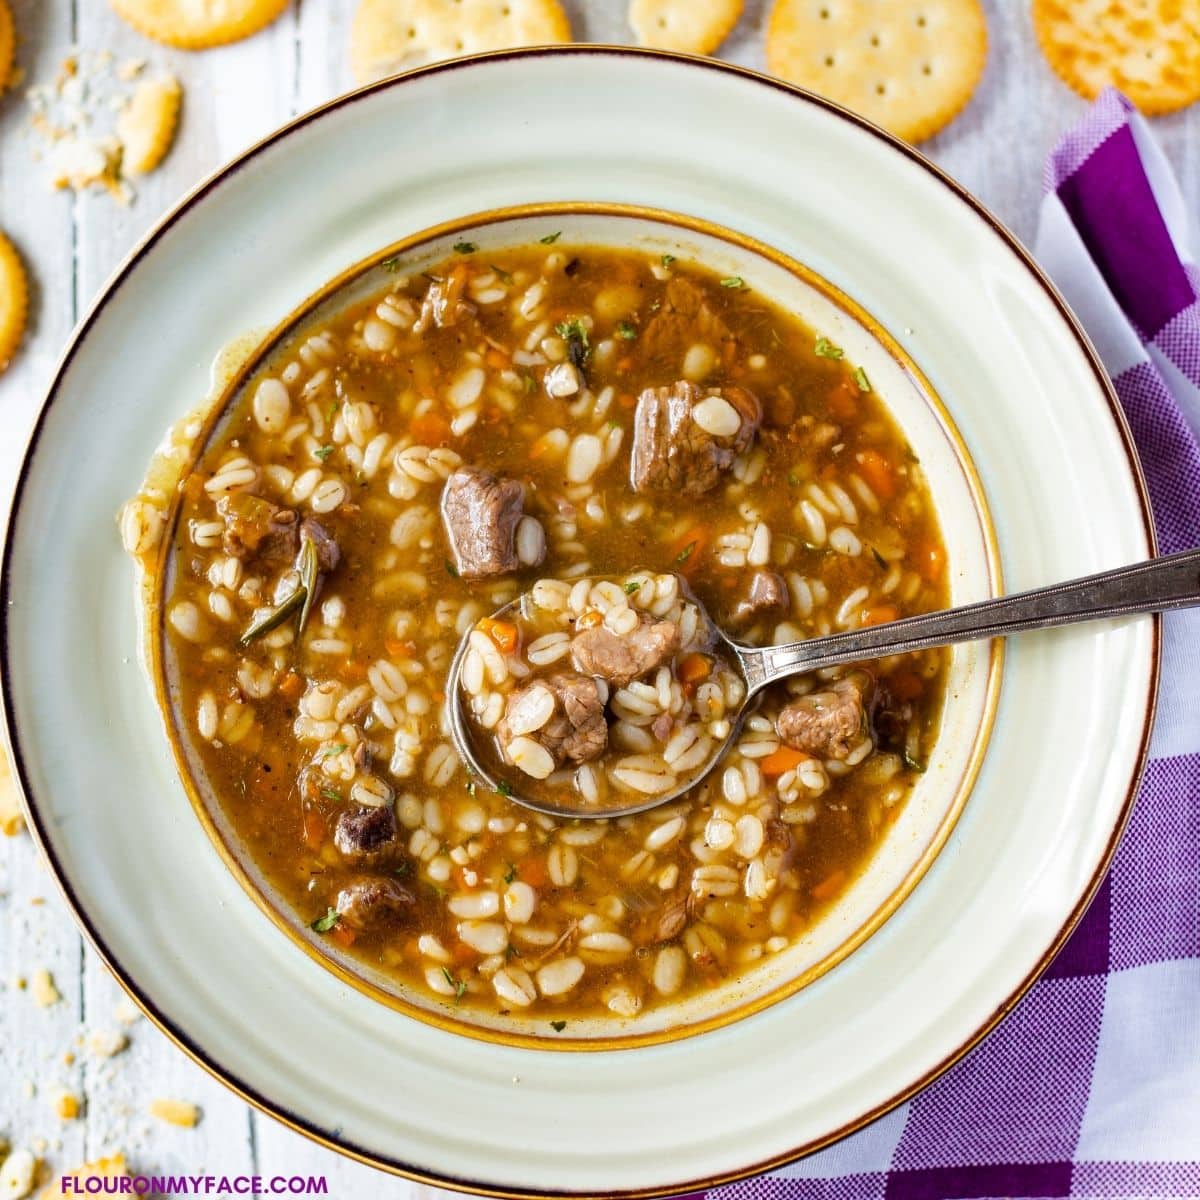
233 96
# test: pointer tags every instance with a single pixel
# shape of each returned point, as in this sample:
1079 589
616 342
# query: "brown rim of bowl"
228 1077
208 811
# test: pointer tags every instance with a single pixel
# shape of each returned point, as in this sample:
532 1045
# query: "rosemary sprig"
300 597
274 617
310 567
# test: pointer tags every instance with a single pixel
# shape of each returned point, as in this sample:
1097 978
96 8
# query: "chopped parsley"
405 868
575 334
685 553
391 265
558 1026
323 453
626 330
631 587
668 259
326 923
457 984
510 874
550 238
501 273
793 479
826 349
502 789
336 748
465 247
913 764
860 377
331 794
451 569
733 281
332 411
470 787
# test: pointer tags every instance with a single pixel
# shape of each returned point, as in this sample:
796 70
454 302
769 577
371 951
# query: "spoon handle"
1154 586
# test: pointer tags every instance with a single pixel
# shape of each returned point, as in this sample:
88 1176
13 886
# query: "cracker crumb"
105 1043
112 1166
17 1174
43 990
175 1112
127 1012
66 1104
11 819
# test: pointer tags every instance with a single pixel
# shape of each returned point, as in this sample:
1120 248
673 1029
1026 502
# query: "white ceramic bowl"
602 126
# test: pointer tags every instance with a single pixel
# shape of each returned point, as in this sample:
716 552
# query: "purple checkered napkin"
1091 1087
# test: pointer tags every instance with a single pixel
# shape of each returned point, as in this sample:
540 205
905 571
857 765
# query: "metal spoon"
1154 586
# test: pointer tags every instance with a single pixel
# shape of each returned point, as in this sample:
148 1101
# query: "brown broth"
253 716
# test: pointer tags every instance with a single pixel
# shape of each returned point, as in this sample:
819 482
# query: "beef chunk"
685 437
575 730
443 304
825 724
480 513
256 528
621 659
768 593
683 317
371 902
329 553
366 833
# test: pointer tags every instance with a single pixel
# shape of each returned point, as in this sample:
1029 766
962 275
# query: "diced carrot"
590 619
929 559
496 358
398 649
830 885
694 668
343 934
906 685
430 429
688 549
877 473
624 364
780 761
626 399
315 828
843 401
504 633
353 669
881 614
292 686
532 870
463 953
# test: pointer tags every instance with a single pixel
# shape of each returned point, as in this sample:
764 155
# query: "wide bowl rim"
277 911
21 773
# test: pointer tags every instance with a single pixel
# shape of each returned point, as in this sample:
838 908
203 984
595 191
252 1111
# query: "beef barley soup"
617 432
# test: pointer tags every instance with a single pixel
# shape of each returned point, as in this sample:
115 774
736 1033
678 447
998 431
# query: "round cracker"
1149 49
198 24
683 24
908 65
393 35
14 300
7 44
